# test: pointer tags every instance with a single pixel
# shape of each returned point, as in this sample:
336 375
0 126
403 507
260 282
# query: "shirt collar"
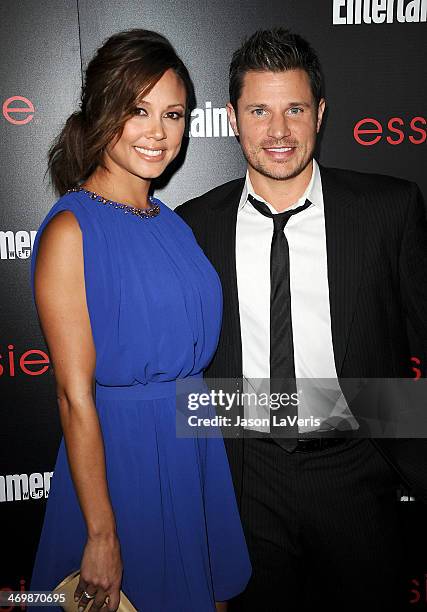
312 193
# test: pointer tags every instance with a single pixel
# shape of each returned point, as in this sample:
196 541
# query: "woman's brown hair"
124 68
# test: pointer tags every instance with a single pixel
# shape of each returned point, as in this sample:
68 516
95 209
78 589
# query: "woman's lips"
150 155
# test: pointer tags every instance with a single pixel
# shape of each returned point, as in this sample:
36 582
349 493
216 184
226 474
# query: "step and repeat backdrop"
373 56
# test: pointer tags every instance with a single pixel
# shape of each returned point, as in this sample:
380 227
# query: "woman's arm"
61 303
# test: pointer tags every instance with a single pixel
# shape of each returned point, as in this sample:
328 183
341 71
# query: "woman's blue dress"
155 307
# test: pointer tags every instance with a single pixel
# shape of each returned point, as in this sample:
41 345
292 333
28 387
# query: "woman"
128 303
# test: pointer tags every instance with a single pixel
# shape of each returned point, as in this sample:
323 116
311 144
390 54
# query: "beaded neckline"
142 213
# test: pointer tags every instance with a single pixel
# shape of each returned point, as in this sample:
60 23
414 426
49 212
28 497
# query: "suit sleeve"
194 216
409 456
413 266
182 211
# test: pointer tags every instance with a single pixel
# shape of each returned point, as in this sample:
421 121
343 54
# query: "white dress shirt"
310 309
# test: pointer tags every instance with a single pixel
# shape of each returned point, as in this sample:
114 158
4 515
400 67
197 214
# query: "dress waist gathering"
151 390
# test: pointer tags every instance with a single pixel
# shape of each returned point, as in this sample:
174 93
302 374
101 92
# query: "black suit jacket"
376 236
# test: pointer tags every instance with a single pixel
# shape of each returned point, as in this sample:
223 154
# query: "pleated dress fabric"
155 307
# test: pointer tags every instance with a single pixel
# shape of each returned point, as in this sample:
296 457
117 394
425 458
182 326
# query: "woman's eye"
140 111
174 115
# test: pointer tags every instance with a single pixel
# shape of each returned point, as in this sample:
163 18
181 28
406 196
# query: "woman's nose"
155 129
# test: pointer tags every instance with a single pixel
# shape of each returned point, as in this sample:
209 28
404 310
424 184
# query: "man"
319 268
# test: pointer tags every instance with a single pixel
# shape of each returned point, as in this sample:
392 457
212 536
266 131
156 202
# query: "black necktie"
282 368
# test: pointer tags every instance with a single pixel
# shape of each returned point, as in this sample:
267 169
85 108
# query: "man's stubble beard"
281 174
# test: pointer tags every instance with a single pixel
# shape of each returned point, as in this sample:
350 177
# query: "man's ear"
320 111
232 118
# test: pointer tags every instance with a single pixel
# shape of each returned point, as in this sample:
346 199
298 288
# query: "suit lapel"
345 250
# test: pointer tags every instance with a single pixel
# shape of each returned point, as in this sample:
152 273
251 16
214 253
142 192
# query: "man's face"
277 122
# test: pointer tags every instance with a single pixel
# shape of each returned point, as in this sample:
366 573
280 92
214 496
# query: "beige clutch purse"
69 585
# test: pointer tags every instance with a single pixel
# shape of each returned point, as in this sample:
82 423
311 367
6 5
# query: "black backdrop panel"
369 70
373 72
40 69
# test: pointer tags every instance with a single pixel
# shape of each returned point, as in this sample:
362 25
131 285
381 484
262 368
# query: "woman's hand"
100 573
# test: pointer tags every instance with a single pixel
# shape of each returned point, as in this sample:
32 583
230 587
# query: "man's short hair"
277 50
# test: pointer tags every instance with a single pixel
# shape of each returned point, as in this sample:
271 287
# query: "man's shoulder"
213 197
366 183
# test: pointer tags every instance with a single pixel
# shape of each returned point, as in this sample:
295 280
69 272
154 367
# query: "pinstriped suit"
376 236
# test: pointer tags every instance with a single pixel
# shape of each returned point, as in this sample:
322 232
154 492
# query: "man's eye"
295 110
258 112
